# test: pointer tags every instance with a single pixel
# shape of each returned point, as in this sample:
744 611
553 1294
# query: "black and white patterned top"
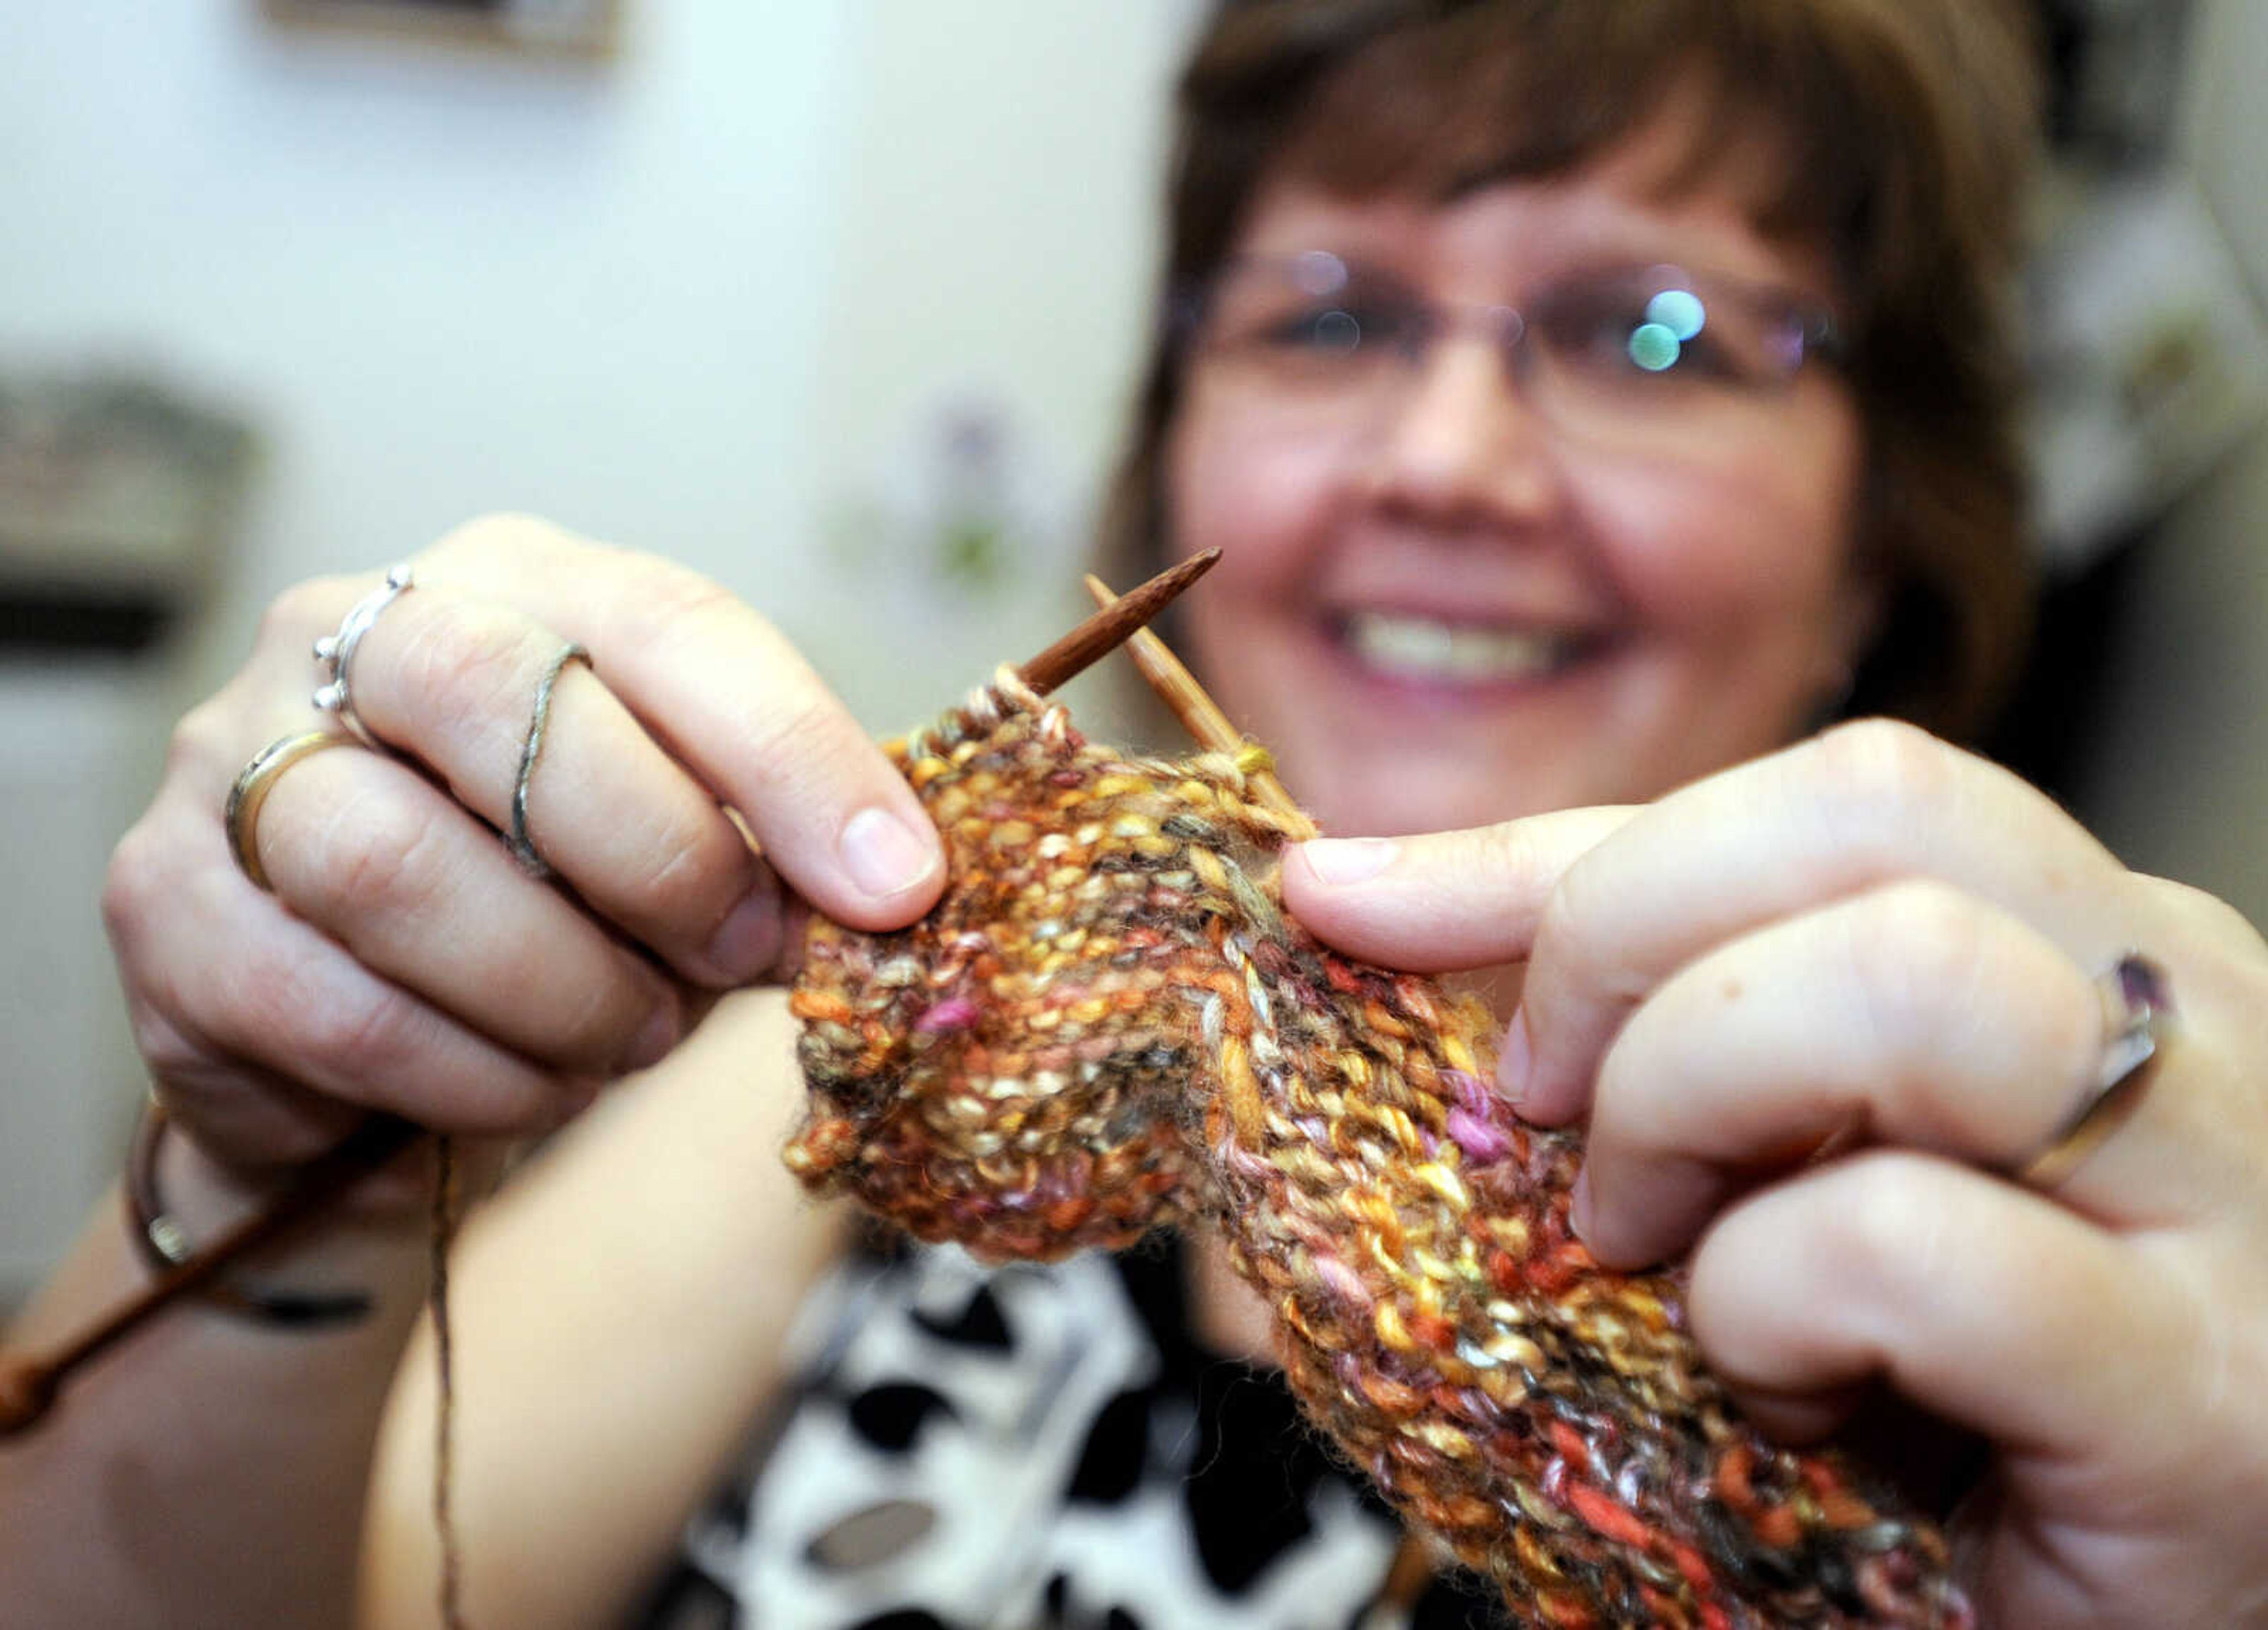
1037 1448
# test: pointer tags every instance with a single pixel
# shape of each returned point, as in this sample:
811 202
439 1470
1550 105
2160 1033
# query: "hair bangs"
1760 97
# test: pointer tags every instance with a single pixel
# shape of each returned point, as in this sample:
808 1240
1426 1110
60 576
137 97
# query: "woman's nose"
1463 443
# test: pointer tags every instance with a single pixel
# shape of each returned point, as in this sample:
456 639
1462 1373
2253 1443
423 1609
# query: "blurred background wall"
836 301
2177 779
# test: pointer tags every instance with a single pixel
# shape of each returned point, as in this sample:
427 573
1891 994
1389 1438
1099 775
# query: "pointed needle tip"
1111 627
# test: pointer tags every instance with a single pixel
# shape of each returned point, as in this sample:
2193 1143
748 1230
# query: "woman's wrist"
370 1238
166 1238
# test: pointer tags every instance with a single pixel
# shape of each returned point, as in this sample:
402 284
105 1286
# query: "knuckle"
1631 1121
799 735
1915 954
375 1033
1566 941
2213 919
298 1011
499 534
372 855
135 877
1918 937
1507 849
1890 1237
196 739
691 870
1889 746
294 616
164 1047
599 1031
463 669
672 598
1870 778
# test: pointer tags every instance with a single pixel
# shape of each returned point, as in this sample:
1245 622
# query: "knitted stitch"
1109 1023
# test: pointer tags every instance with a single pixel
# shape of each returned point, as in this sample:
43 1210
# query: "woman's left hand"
1875 948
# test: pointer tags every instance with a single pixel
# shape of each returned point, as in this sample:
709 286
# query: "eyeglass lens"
1632 348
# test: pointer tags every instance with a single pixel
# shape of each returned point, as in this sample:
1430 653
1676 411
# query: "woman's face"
1465 607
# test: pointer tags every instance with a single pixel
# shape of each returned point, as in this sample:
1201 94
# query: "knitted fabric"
1109 1023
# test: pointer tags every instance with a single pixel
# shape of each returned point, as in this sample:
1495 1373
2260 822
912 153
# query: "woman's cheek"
1260 497
1733 551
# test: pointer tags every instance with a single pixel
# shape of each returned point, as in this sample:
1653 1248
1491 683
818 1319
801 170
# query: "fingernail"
747 941
1517 1061
1579 1207
655 1038
1349 859
883 855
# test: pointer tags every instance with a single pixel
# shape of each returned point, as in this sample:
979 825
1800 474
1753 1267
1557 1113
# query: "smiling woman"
1845 177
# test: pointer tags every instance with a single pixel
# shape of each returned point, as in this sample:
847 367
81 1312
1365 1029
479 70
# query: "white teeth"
1423 648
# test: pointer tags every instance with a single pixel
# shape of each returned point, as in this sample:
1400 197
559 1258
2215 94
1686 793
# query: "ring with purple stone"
2138 1010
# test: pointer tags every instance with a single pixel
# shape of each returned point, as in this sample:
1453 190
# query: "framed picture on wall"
571 27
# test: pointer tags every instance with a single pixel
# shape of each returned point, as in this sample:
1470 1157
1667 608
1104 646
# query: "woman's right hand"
404 960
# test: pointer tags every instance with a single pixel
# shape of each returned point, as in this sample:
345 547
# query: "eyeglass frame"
1815 331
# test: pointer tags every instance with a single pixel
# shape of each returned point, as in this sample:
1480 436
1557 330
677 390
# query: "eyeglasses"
1647 356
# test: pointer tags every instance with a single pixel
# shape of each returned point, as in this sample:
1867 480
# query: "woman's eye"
1653 349
1659 336
1326 331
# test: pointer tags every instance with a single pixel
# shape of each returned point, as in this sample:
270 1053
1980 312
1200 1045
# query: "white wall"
662 300
2179 783
694 299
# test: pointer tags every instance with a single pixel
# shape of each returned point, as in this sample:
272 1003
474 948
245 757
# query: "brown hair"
1904 130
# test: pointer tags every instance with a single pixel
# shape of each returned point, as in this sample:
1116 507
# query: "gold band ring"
250 791
2138 1009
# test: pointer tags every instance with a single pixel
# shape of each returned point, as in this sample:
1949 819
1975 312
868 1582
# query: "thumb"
1442 901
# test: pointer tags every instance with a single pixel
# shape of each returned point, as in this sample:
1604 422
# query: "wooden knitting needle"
1111 627
1200 715
28 1385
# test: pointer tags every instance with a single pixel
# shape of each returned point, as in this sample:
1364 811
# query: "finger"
422 896
1445 901
287 1002
455 683
733 700
1989 1306
1863 805
1913 1014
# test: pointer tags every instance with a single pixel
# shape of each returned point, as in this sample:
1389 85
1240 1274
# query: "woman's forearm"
623 1308
210 1468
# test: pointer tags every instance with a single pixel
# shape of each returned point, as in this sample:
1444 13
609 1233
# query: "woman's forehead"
1698 158
1644 198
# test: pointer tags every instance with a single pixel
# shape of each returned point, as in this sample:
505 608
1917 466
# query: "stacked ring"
250 791
336 653
522 846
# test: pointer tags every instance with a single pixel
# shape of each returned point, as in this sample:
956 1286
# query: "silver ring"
2138 1008
517 840
336 654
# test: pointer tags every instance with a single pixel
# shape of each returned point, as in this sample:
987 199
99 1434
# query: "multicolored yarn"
1109 1023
